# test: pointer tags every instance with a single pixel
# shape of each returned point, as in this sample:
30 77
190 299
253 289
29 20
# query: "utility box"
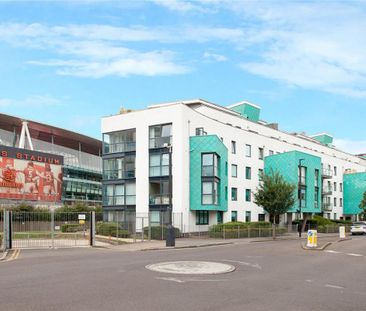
342 232
312 238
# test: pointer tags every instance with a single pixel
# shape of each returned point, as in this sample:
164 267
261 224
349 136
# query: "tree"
275 195
362 205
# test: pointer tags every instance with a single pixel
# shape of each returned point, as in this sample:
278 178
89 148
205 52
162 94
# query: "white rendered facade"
187 116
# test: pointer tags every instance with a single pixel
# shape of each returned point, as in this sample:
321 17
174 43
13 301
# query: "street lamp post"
299 195
170 235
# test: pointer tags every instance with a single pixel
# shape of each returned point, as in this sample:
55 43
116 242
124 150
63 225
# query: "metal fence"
49 229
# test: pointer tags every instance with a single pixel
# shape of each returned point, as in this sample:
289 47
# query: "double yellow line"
14 255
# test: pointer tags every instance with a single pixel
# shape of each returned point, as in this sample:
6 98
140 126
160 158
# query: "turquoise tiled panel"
354 185
206 144
287 165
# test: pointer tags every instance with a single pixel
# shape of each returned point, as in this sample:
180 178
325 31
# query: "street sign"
342 232
312 238
81 217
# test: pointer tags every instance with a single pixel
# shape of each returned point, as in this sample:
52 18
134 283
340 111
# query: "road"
269 276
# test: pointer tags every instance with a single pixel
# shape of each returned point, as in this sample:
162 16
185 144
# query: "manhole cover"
191 267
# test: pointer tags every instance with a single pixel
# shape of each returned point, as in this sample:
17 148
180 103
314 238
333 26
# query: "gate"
49 229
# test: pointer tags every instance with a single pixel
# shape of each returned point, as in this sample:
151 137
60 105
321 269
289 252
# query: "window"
234 170
260 174
261 217
201 217
302 175
335 171
234 194
210 165
119 168
200 131
302 196
122 141
248 151
340 202
160 135
158 192
316 178
335 202
233 147
260 153
210 193
271 152
119 194
316 197
335 186
247 195
340 187
159 164
248 217
220 217
335 216
234 216
248 172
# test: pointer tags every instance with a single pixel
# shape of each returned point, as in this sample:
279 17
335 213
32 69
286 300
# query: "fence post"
248 231
10 229
238 232
149 228
53 227
223 228
92 229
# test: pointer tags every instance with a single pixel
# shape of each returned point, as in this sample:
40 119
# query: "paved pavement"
271 275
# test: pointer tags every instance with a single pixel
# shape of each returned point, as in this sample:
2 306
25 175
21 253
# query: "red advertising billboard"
30 175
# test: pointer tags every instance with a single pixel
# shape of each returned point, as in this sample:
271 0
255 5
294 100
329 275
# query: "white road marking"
189 280
355 255
243 263
334 286
309 281
333 252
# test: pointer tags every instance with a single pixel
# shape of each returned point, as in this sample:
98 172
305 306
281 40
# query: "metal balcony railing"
158 199
326 173
327 206
327 191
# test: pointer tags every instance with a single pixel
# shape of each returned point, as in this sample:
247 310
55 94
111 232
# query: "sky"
69 63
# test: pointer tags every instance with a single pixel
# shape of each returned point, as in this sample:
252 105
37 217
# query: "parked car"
358 227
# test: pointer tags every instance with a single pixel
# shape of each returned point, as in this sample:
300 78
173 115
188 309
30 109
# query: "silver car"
358 227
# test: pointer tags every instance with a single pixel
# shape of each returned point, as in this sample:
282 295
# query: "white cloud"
30 101
214 57
178 5
351 146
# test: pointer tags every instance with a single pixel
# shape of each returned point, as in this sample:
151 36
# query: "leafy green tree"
362 205
275 195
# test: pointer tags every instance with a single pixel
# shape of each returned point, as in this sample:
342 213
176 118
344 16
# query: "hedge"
111 229
159 232
71 228
232 231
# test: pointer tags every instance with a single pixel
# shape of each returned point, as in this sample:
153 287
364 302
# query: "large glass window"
119 168
210 193
248 216
122 141
202 217
159 192
316 197
160 135
159 164
210 165
119 194
316 178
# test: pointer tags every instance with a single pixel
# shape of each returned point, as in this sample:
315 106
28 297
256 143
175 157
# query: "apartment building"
218 154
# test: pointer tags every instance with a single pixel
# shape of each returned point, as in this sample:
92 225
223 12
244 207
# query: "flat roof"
45 132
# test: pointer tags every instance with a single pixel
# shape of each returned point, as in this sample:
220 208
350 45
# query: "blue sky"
67 63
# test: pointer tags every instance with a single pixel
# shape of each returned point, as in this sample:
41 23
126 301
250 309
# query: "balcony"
327 207
327 191
159 199
159 142
119 147
326 173
118 174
